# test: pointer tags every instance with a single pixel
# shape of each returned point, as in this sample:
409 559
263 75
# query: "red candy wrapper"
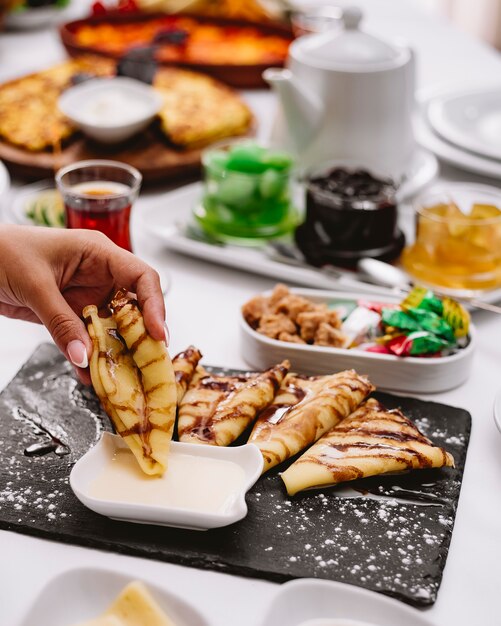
420 343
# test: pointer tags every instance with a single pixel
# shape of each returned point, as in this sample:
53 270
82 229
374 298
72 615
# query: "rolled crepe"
324 402
371 441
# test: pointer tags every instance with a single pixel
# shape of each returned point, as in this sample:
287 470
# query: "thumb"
67 329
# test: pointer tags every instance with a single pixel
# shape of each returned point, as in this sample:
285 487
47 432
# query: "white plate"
15 207
409 374
89 467
470 120
4 181
300 601
82 594
32 19
448 152
497 410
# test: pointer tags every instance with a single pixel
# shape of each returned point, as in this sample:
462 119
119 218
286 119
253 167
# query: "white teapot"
346 95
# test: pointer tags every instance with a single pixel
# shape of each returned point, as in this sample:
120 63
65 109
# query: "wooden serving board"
148 152
389 534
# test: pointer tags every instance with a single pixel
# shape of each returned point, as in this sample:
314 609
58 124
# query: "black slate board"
396 544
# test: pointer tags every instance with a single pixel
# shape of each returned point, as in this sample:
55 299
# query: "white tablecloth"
202 308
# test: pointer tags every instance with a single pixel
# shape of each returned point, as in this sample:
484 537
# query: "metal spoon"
391 276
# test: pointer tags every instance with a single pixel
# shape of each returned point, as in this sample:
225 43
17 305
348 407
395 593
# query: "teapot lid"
347 48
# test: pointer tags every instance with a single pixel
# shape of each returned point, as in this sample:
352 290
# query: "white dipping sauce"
112 107
192 483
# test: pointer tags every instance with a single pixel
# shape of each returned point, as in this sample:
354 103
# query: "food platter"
196 110
148 152
45 398
247 75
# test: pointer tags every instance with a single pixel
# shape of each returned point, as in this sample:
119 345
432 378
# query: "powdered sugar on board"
389 534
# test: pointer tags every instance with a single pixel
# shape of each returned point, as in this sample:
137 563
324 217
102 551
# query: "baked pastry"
185 365
133 377
217 409
304 410
29 115
199 110
371 441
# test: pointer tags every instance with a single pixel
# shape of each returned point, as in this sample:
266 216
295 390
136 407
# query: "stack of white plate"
463 128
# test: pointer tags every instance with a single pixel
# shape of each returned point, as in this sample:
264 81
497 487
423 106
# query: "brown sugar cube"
327 335
290 338
272 325
309 321
333 319
254 309
280 291
293 305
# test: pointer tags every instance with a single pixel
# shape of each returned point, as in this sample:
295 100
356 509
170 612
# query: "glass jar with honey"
458 238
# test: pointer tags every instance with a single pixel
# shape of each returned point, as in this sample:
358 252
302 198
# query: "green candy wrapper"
433 323
456 316
414 319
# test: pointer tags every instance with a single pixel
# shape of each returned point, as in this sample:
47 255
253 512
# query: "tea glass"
98 195
458 239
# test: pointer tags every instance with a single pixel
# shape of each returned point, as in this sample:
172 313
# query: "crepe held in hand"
325 401
133 377
217 409
371 441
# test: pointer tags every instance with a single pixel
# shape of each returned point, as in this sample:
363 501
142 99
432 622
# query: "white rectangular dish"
91 466
82 594
409 374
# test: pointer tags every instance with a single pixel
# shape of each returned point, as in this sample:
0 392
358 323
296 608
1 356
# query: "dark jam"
350 214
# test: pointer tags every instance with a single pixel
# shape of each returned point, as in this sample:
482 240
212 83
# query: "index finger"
137 276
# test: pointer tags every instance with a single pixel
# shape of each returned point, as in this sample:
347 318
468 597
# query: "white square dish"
91 465
409 374
83 594
322 603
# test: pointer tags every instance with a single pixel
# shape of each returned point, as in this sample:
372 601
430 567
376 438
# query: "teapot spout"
303 111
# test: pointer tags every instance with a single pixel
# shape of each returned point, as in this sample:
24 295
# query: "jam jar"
350 214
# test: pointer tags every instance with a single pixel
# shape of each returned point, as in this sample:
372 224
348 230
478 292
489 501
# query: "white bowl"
119 120
90 466
79 595
410 374
322 603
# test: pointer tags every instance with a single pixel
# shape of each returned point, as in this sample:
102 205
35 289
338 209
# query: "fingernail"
167 335
78 353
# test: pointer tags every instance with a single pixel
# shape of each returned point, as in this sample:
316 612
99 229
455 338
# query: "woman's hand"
48 275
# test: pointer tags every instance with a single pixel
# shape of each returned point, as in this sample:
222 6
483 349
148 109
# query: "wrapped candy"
418 343
414 319
360 325
456 316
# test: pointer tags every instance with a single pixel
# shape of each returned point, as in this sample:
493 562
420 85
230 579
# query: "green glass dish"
247 193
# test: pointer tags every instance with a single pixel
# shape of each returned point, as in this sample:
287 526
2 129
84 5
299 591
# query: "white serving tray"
385 371
82 594
306 600
89 467
167 220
